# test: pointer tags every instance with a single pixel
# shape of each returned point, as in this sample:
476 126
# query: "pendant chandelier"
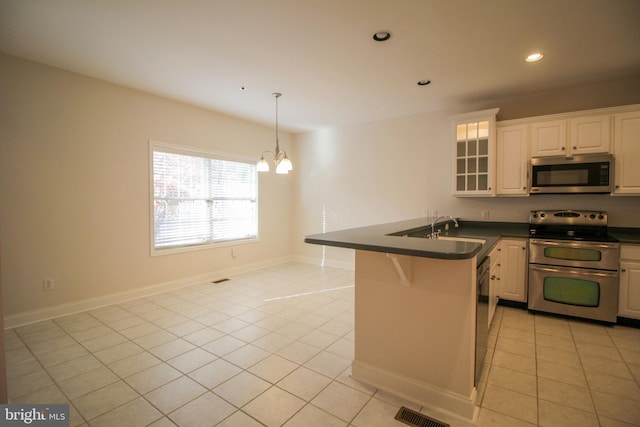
282 162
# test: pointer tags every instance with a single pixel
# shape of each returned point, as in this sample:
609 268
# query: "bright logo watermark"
34 415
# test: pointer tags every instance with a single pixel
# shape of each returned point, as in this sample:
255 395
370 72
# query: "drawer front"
630 252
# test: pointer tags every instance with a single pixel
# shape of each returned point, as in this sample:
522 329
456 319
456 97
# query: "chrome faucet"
435 234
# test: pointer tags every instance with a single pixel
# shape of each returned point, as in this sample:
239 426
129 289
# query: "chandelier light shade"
282 162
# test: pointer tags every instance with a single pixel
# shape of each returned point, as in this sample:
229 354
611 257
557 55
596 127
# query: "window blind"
199 199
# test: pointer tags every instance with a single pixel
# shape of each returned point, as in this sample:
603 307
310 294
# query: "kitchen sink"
462 239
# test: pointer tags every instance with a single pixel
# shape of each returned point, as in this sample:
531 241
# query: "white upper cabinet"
626 152
549 138
493 159
512 160
579 135
591 134
474 153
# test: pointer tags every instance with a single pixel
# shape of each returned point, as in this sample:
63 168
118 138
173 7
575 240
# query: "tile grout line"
53 381
144 350
183 374
286 312
584 373
36 359
92 353
246 369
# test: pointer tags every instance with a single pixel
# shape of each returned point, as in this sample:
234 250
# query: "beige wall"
74 181
399 168
74 186
4 395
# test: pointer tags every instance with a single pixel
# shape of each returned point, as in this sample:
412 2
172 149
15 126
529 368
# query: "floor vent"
416 419
220 281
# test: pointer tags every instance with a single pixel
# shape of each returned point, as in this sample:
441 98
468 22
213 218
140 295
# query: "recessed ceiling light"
536 56
381 36
424 82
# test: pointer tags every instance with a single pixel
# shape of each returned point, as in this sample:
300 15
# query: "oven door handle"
542 242
577 272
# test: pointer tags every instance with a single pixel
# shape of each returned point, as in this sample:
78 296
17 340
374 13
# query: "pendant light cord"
283 164
277 95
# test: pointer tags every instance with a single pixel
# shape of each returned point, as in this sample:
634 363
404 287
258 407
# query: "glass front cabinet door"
474 153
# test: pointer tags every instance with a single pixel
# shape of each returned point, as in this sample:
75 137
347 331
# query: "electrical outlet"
485 214
233 254
47 285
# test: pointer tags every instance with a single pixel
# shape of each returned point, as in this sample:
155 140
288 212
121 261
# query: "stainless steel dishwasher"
482 315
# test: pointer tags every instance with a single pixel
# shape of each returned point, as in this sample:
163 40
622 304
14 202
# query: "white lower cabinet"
629 294
494 282
513 277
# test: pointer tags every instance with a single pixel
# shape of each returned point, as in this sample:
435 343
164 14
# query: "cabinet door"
474 153
514 270
591 134
511 157
629 298
494 281
549 138
473 158
627 153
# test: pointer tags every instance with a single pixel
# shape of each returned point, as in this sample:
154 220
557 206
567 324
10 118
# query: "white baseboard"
427 395
21 319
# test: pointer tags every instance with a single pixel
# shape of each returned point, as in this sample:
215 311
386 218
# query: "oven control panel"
569 217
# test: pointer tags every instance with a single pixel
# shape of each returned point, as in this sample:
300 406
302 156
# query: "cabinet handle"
498 264
562 148
617 186
524 248
575 148
493 277
623 270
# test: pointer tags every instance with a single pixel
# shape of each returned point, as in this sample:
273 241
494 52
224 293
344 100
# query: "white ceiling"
320 53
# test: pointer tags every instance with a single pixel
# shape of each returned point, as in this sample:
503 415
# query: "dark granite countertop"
625 235
407 238
402 238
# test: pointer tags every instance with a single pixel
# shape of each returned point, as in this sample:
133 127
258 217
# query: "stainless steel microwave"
588 173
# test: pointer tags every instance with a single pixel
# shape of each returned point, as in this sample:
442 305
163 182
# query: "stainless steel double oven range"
573 265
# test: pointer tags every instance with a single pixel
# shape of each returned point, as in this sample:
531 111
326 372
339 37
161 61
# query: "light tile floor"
274 347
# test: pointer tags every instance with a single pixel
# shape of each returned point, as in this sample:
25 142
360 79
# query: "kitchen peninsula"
415 309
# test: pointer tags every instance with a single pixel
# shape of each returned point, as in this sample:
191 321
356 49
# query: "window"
201 198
